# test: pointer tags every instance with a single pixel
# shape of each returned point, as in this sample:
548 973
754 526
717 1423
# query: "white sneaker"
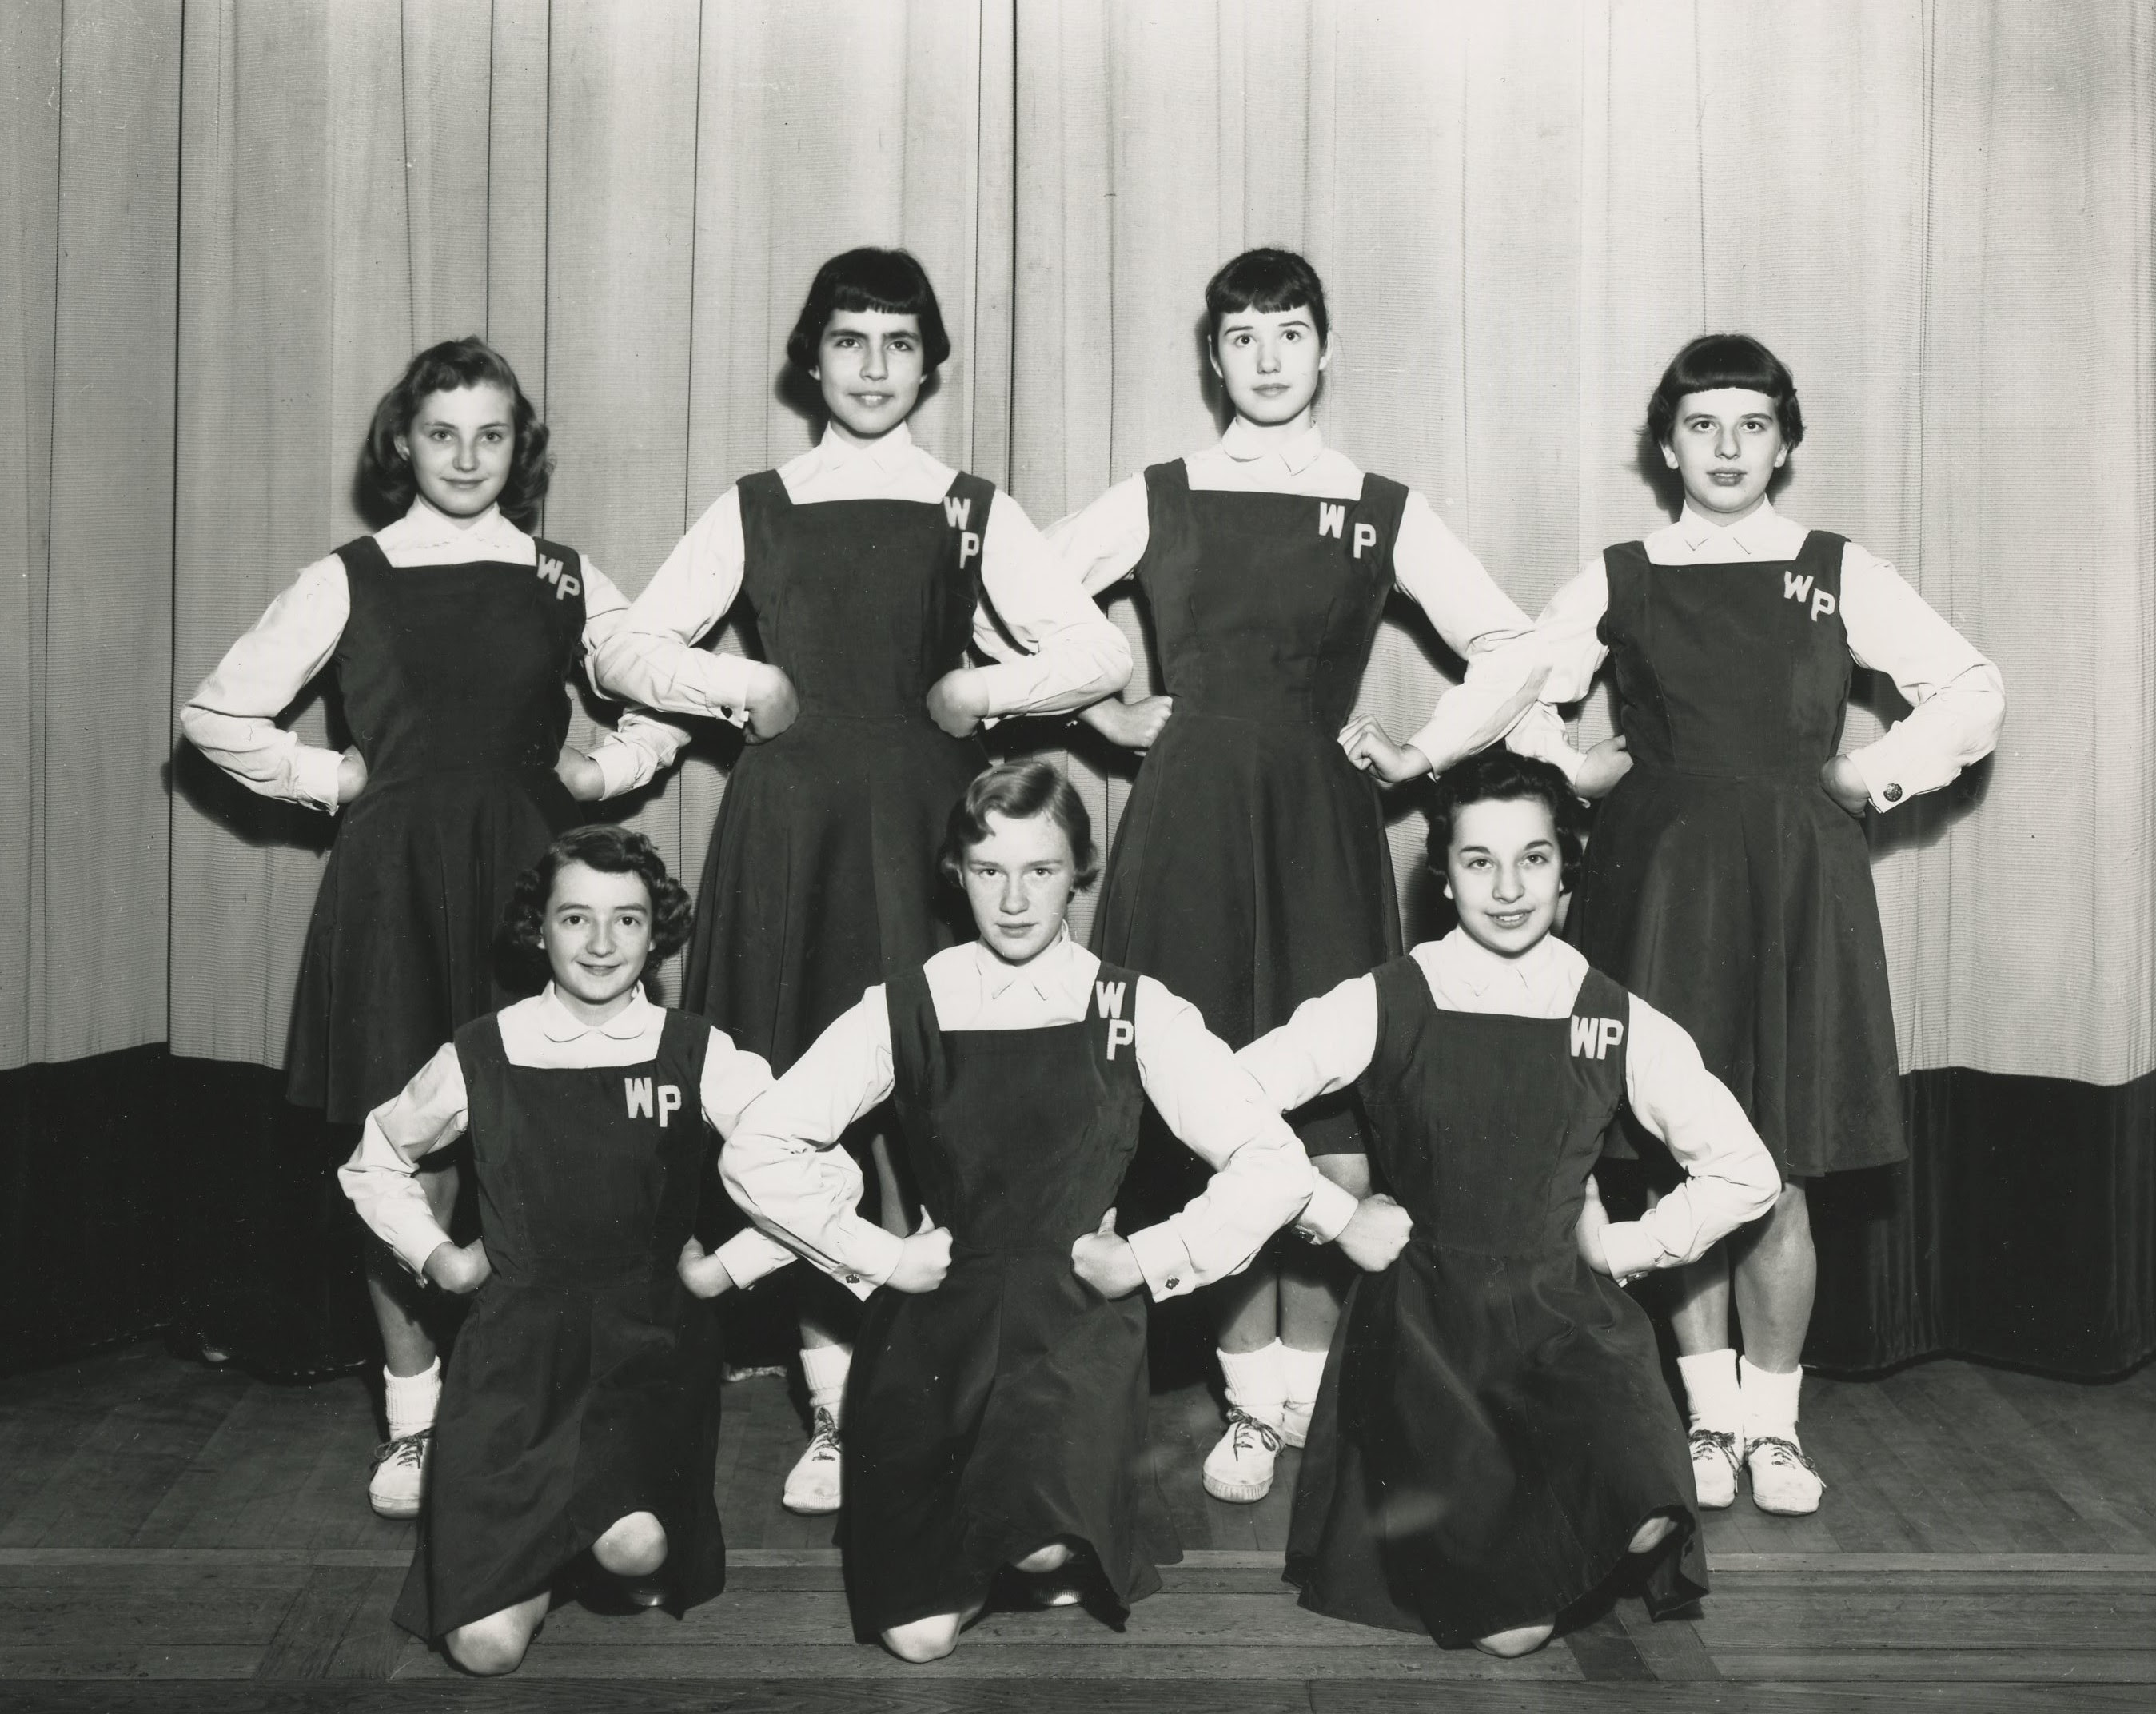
398 1480
1241 1468
1715 1457
1295 1423
813 1486
1783 1480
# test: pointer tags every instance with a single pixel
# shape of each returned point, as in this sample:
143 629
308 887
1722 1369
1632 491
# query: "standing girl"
868 567
1250 869
1729 881
452 634
999 1397
582 1412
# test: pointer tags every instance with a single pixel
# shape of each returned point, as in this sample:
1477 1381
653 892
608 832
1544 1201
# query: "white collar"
425 526
1243 443
1043 970
890 452
1752 536
558 1024
1466 961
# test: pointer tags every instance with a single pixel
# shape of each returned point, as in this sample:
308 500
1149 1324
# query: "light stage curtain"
224 226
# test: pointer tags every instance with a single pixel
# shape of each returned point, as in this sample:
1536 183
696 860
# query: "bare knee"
1651 1534
490 1646
1053 1558
1521 1639
634 1546
924 1640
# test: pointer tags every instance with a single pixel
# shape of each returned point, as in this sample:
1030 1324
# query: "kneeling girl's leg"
633 1546
1651 1534
931 1638
495 1643
1521 1639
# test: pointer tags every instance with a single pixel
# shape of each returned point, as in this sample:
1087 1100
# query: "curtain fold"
224 227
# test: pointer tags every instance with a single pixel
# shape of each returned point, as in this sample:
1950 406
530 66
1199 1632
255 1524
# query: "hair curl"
891 281
1498 774
1268 281
611 851
1019 791
386 474
1717 359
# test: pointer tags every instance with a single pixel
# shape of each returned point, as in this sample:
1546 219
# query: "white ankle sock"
1770 1400
410 1399
1711 1391
1301 1371
825 1369
1257 1381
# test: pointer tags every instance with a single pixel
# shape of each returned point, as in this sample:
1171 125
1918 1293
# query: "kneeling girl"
997 1406
581 1411
1492 1435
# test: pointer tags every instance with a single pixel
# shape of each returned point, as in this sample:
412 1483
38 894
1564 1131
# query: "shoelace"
1723 1443
824 1435
1240 1419
405 1449
1781 1451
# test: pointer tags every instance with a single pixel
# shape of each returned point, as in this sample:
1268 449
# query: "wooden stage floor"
175 1537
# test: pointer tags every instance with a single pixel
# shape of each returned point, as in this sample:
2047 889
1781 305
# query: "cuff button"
1893 794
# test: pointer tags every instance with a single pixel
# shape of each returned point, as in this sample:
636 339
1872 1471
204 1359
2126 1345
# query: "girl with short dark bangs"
1728 878
582 1413
1250 869
871 569
451 634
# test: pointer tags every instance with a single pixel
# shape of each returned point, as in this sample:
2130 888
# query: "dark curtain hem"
140 1192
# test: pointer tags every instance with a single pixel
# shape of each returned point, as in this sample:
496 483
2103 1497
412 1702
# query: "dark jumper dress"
586 1381
1007 1408
1249 870
822 880
1722 884
454 681
1492 1428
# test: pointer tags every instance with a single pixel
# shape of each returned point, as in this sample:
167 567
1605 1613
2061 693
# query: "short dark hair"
1500 775
1725 360
386 474
869 278
1019 791
611 851
1268 281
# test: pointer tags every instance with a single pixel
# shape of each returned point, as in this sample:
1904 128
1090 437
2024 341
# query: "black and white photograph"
1077 856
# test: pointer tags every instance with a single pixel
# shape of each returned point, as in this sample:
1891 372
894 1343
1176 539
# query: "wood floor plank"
2046 1667
1097 1696
315 1624
1041 1661
1669 1647
2103 1431
120 1466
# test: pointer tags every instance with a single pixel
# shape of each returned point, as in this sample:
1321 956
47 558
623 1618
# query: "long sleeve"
232 717
428 1113
1569 649
1102 543
1068 652
1957 698
734 1077
650 657
641 746
1261 1179
781 1162
1481 623
1730 1178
